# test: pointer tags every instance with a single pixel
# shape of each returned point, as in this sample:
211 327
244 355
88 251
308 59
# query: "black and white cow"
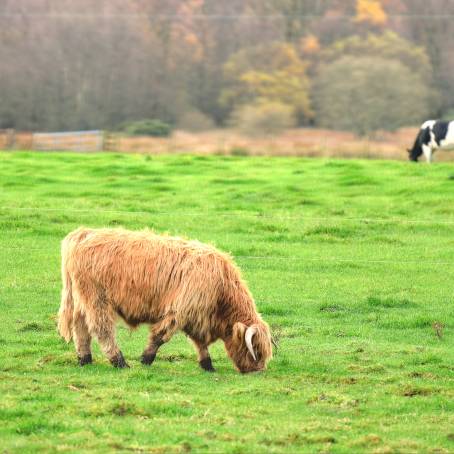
433 134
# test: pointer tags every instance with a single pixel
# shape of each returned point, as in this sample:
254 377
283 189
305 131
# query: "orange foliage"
310 45
371 11
186 31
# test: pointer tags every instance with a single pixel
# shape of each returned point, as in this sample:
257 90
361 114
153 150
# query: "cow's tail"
65 314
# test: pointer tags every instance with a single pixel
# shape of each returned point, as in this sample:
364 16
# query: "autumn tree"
272 73
296 17
334 21
387 45
99 63
200 36
370 12
364 94
81 65
432 27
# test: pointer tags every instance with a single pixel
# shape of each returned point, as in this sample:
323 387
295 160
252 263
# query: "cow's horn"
248 338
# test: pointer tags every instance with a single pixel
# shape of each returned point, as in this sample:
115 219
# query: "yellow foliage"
273 73
371 11
279 86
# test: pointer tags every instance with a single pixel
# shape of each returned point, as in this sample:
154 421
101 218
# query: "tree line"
358 65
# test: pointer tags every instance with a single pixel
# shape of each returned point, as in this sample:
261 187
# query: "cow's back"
143 275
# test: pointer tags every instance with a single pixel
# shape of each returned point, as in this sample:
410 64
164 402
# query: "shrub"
152 127
196 121
239 151
364 94
263 118
386 45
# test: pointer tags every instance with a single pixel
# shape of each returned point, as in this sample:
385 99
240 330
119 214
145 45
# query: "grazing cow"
170 283
433 134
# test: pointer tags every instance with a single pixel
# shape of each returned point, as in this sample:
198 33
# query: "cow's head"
414 153
250 347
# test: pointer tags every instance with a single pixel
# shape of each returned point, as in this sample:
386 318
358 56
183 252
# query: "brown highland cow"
170 283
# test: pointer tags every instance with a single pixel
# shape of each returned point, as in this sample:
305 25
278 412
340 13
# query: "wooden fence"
83 141
11 139
68 141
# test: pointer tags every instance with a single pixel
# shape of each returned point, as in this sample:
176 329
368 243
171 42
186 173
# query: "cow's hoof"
86 359
119 361
207 365
148 358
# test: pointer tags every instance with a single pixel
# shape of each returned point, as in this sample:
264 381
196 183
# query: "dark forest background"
356 65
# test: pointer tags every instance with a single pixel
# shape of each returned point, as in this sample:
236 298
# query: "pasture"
350 262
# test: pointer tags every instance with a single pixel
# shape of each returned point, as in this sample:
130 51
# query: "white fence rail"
68 141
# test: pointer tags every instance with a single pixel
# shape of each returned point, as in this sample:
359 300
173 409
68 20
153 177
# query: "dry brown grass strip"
304 142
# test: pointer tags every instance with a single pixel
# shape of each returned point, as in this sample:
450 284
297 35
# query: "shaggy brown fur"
170 283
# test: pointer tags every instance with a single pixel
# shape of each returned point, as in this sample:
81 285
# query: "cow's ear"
238 331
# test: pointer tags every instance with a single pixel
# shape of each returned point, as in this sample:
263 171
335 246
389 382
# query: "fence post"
101 140
10 138
108 142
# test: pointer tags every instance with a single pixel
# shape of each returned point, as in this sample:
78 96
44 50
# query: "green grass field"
351 263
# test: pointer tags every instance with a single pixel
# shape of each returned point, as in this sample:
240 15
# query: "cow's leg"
104 331
427 150
204 355
160 333
82 339
100 319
